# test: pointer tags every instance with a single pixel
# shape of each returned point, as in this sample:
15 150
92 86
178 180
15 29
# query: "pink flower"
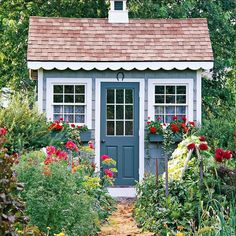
91 144
104 157
61 155
108 173
50 150
191 146
203 146
202 138
3 131
72 146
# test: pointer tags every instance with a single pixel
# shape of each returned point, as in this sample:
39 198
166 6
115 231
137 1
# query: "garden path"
121 222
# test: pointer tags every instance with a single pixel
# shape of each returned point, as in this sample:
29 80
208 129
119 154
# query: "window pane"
118 5
181 99
110 111
79 109
181 89
57 116
159 89
119 128
170 110
69 98
170 89
79 89
58 98
181 110
128 96
170 99
69 88
79 98
129 112
159 99
58 109
160 118
79 118
159 109
69 118
169 118
58 89
119 96
119 112
129 128
110 127
110 96
68 109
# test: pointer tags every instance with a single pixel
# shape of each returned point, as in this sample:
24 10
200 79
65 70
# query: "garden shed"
112 74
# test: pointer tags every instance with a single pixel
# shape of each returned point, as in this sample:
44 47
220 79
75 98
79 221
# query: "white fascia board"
50 65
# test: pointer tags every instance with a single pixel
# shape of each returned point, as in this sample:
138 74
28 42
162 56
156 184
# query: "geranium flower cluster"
71 146
3 131
108 161
221 155
54 155
202 146
176 125
56 125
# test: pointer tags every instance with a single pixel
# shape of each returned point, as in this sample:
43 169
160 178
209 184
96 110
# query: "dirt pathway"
121 222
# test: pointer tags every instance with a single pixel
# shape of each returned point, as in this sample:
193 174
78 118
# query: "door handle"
103 141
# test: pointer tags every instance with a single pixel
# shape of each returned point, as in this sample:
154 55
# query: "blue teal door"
120 129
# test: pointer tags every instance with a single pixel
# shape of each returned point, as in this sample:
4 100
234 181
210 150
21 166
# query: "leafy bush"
73 201
189 206
27 128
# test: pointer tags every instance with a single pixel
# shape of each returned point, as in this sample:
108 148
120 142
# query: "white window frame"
70 81
175 82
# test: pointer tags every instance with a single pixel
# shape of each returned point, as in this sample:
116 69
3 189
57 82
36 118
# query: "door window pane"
119 112
119 128
119 96
110 111
128 96
129 128
110 128
128 112
110 96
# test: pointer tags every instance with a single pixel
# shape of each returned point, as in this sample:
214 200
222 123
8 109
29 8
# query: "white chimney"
118 12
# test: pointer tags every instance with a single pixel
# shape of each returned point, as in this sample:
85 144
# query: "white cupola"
118 12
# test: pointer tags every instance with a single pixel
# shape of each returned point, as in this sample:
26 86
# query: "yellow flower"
60 234
180 227
179 234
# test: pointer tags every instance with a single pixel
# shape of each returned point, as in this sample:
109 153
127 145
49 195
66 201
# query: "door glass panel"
120 96
119 128
110 111
110 128
120 112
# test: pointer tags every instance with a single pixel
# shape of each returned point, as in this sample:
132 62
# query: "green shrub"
27 129
70 201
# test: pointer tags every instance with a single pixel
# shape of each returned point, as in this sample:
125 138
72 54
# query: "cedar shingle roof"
70 39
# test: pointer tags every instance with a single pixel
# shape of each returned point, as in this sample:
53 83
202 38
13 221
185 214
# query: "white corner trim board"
50 65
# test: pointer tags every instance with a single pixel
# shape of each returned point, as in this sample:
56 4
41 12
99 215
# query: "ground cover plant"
192 207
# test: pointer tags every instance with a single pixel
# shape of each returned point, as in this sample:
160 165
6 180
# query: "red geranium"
218 157
219 151
104 157
184 119
61 155
56 125
72 146
203 146
108 173
175 118
148 122
202 138
174 128
153 130
50 150
192 123
227 154
191 146
3 131
72 125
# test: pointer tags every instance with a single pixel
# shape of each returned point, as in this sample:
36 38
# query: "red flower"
202 138
108 173
175 118
191 146
72 125
61 155
48 161
203 146
104 157
56 125
192 123
184 119
219 151
148 122
72 146
158 118
153 130
50 150
79 127
174 128
3 131
218 157
227 154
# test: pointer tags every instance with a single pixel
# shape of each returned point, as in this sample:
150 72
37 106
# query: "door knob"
103 141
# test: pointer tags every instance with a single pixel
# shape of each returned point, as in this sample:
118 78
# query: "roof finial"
118 12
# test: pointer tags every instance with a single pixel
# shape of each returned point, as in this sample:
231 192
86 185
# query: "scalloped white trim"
35 65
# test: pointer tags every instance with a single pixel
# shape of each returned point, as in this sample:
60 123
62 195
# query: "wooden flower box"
85 136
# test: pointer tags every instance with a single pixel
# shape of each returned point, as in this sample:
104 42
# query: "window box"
158 138
86 136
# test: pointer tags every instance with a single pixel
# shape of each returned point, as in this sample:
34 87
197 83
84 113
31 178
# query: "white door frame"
141 120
